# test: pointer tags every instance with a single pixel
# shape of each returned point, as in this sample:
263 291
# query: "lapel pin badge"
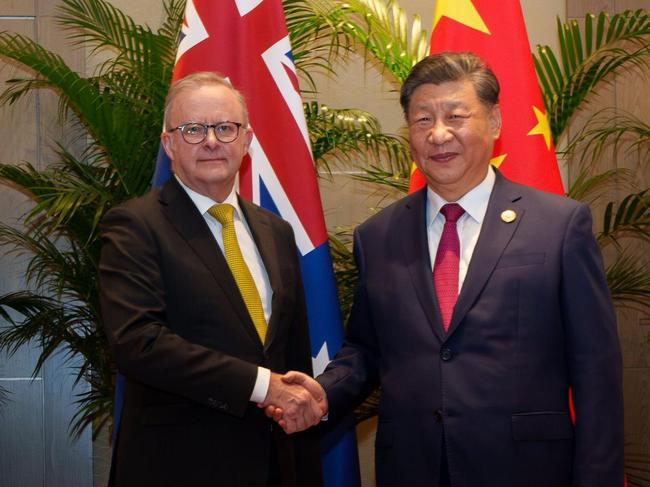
508 216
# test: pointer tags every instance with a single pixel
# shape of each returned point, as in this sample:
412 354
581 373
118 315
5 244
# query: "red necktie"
445 268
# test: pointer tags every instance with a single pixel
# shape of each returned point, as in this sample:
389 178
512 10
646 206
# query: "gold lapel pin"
508 216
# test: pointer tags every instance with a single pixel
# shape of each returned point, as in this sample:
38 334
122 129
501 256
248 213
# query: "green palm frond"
630 218
97 111
348 135
316 35
629 282
137 49
121 108
94 407
70 192
51 69
62 274
383 29
590 187
40 314
146 57
320 30
171 25
394 180
66 328
609 128
587 57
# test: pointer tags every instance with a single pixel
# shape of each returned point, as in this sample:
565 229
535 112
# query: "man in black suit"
202 320
480 302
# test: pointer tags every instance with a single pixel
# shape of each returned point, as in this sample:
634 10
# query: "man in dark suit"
480 303
203 306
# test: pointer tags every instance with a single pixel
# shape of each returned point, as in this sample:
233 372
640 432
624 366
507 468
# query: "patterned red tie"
445 268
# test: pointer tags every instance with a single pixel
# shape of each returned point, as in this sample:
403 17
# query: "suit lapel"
260 225
183 215
412 230
493 239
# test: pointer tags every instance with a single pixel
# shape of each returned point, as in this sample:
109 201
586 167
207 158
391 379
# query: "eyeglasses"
195 133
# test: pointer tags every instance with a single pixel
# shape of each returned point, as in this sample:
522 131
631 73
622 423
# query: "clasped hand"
295 400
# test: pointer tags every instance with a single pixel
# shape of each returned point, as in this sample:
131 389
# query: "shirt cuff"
261 387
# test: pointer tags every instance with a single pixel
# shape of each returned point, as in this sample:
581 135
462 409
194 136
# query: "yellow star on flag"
542 127
497 160
462 11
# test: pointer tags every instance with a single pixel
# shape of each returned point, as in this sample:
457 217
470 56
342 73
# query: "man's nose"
439 133
211 139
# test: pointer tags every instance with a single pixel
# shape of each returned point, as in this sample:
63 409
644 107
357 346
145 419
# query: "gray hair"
197 80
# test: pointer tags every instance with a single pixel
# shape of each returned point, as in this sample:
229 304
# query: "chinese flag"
495 31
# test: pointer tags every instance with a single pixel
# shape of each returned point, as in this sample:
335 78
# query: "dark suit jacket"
182 336
533 318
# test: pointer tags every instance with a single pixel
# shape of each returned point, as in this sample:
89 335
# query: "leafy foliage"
607 45
347 135
383 30
118 113
630 218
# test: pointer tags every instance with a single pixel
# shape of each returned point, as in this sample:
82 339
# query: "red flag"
496 32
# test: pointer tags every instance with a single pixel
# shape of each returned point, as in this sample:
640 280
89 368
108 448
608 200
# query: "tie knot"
452 212
223 213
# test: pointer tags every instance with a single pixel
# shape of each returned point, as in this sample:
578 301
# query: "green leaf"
566 88
629 218
629 282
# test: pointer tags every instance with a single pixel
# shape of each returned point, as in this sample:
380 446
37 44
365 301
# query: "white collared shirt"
475 203
252 258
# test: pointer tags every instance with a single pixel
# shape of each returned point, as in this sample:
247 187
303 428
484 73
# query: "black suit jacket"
533 318
182 336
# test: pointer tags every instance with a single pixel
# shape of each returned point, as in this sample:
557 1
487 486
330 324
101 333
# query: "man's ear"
249 138
495 120
167 142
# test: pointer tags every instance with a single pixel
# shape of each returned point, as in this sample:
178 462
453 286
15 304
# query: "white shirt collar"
204 203
474 202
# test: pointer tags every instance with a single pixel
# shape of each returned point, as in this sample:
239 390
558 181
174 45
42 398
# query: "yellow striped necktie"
224 214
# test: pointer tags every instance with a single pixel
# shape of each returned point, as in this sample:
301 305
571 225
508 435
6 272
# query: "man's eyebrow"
449 104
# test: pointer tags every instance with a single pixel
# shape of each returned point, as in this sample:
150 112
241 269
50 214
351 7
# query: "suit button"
446 354
438 416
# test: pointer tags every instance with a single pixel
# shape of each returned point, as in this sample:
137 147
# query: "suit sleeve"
145 349
354 372
594 358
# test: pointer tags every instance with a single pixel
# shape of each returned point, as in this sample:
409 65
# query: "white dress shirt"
475 203
252 258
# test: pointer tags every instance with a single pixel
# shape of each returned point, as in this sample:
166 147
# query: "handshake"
295 401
